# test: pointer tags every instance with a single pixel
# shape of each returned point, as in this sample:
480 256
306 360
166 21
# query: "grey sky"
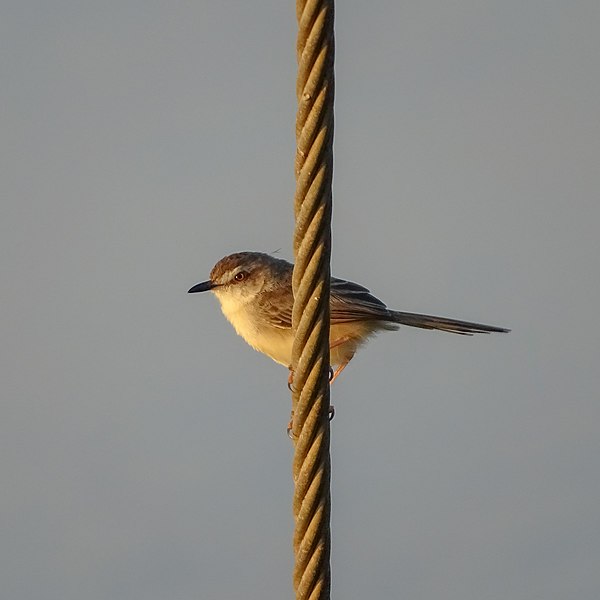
142 445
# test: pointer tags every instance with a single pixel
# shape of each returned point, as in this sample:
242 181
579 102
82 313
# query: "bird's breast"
274 342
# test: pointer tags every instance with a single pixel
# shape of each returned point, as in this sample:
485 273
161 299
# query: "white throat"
274 342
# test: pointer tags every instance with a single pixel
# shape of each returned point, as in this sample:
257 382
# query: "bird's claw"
290 433
330 411
290 425
290 382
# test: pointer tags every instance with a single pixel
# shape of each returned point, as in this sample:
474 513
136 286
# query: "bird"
255 293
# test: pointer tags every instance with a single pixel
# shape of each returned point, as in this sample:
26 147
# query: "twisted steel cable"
311 278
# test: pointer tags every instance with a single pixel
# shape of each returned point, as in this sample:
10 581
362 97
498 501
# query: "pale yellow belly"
277 343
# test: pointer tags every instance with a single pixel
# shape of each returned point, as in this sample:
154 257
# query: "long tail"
443 324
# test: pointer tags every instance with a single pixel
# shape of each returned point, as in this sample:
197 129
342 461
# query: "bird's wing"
276 313
352 302
349 302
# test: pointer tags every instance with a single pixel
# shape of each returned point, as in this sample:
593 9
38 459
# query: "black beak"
202 287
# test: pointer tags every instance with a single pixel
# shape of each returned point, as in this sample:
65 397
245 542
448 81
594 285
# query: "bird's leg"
338 371
331 414
342 366
331 411
332 377
339 342
291 379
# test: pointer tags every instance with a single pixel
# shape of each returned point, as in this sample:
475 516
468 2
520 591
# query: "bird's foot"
290 382
337 372
332 376
290 433
290 425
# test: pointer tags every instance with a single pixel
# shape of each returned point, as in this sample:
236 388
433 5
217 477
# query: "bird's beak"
205 286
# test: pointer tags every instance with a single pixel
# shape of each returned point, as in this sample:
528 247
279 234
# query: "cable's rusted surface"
312 249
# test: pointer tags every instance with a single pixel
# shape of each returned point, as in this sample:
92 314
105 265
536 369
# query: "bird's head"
238 278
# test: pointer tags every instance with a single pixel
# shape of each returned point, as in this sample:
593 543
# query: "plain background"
143 447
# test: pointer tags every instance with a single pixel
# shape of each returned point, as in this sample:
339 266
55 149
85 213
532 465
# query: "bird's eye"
240 276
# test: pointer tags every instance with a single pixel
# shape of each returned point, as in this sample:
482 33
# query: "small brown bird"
255 292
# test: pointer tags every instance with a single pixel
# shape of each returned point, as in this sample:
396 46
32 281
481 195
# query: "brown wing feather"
277 315
352 302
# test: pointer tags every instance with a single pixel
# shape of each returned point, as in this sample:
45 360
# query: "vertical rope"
311 279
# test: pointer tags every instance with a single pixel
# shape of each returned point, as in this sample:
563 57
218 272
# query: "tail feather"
443 324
